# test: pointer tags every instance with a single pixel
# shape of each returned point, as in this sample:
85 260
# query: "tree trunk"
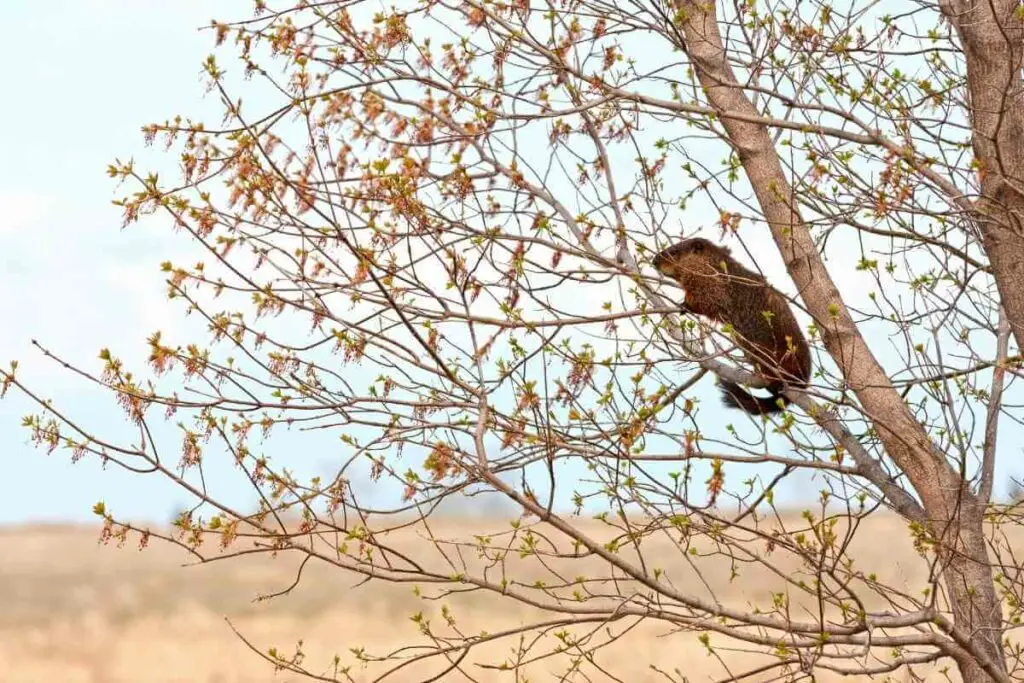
977 611
991 33
953 510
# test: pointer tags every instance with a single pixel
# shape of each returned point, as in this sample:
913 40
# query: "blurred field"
72 610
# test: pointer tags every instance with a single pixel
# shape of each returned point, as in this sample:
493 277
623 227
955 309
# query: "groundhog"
719 288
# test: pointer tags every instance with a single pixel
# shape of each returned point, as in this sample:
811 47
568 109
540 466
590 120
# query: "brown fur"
719 288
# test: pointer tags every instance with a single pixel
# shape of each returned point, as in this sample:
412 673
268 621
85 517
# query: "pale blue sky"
81 77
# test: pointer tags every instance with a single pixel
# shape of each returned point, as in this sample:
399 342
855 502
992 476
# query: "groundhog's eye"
697 247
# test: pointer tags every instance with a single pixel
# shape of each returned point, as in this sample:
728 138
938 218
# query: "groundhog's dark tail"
735 396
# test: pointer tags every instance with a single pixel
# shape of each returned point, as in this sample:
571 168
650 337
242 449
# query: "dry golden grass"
76 611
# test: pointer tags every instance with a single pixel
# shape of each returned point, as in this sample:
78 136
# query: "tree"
435 246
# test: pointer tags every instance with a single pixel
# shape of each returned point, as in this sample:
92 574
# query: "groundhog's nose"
660 260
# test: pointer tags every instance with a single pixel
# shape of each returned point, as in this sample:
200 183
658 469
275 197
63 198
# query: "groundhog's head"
695 256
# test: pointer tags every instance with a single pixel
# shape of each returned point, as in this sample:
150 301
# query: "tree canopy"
428 234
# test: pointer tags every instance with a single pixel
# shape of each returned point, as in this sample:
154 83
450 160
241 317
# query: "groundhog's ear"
697 247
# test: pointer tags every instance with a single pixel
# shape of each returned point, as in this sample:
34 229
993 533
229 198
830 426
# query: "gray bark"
954 512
